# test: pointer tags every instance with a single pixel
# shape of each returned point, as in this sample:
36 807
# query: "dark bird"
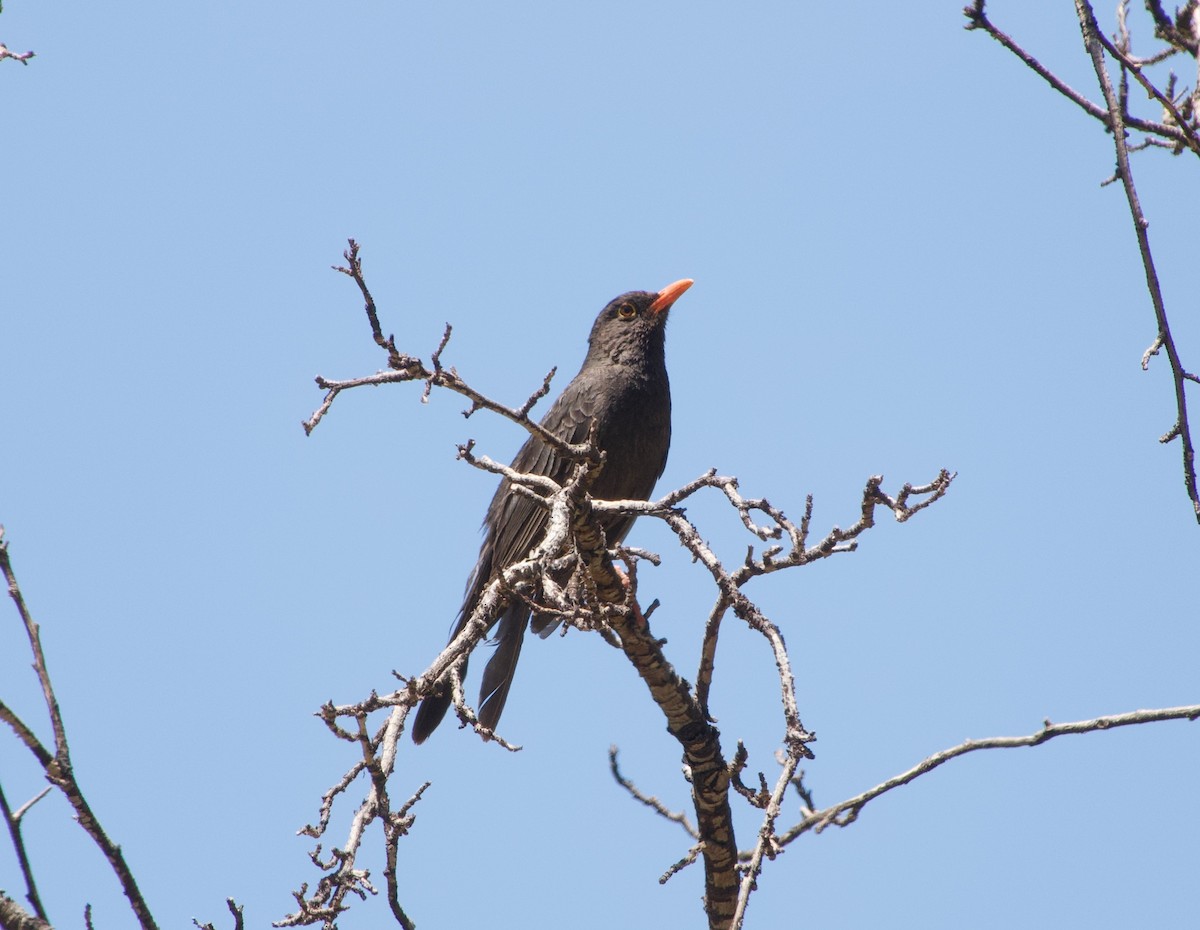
623 387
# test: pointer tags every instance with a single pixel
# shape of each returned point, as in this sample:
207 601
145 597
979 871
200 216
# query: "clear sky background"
904 261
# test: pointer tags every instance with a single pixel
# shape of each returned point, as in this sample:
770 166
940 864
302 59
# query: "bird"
622 386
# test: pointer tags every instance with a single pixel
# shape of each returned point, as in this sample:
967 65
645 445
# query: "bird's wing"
515 522
515 525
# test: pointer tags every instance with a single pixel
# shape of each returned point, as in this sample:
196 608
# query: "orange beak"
669 294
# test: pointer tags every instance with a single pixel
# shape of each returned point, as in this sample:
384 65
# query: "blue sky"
903 261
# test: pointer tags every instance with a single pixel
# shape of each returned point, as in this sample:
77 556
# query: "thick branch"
686 721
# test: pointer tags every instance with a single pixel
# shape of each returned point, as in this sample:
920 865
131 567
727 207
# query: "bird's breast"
635 434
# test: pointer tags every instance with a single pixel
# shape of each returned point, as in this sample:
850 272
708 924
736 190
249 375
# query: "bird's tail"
498 675
432 710
497 678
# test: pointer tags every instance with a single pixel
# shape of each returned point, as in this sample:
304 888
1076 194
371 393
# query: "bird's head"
631 326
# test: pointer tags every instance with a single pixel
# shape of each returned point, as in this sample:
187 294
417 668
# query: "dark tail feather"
498 676
433 710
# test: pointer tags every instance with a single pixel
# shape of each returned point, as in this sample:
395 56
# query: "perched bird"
623 387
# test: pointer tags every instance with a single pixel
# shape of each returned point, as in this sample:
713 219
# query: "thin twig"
653 803
1094 44
1133 67
978 19
1180 129
846 812
22 57
12 820
59 770
768 844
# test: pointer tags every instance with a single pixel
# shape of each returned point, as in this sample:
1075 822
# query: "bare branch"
598 598
436 361
15 917
692 855
1174 32
768 844
239 921
22 57
396 826
408 368
519 480
342 876
1094 44
686 721
1179 126
845 813
539 393
756 798
353 269
978 19
796 737
26 735
1135 68
653 803
708 652
58 768
12 820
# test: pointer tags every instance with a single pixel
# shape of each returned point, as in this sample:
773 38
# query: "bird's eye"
627 311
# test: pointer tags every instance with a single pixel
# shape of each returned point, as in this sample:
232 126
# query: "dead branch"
653 803
15 917
977 18
606 603
1095 45
12 820
1179 128
239 921
57 766
846 812
22 57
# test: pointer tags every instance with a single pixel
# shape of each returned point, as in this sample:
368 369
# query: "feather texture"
623 387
